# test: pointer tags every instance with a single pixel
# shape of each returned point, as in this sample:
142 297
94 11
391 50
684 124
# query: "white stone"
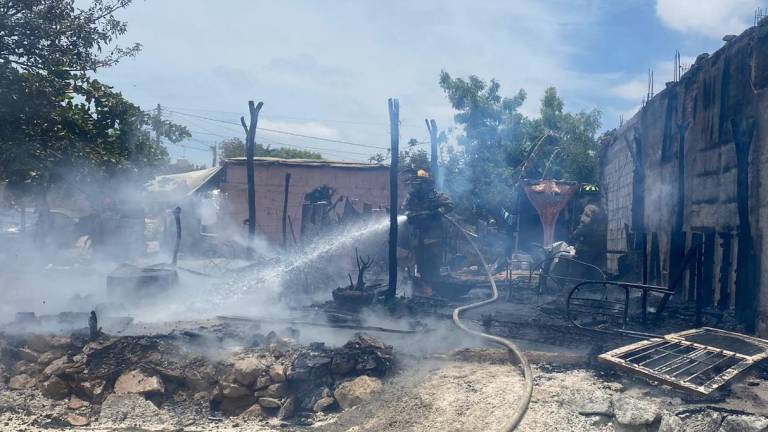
356 391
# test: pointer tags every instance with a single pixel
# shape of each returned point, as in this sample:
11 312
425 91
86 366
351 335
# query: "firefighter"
424 209
589 237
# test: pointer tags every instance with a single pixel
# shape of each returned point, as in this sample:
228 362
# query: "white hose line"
522 405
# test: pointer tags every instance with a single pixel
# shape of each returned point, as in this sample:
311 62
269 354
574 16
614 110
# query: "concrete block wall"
730 84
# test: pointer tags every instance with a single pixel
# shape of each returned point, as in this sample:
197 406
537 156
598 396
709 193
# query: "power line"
281 131
360 122
300 147
317 148
190 147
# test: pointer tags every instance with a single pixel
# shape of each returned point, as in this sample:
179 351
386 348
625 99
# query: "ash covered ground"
226 374
240 347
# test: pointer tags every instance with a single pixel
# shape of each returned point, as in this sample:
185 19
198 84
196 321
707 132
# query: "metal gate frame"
666 347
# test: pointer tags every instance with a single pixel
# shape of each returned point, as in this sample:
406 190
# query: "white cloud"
312 60
710 18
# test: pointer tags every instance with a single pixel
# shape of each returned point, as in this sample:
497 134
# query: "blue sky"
326 69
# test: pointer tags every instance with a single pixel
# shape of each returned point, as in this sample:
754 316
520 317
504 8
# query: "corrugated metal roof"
308 162
175 185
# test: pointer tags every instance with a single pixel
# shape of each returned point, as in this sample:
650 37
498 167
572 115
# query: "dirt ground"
429 395
457 396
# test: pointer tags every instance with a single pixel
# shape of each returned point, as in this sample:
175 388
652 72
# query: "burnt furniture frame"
580 301
545 267
699 361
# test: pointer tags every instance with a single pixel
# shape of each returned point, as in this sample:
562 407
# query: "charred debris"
642 278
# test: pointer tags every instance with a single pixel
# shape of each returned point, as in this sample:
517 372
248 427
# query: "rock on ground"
255 411
741 423
634 414
230 390
131 410
671 423
20 382
703 422
323 404
54 388
277 373
354 392
597 403
76 419
138 382
247 369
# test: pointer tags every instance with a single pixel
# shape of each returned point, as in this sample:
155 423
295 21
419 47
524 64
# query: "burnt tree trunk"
250 137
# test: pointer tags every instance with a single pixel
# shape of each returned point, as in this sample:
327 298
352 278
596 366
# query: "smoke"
275 289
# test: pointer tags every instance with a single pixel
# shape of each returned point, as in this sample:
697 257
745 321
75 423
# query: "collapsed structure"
684 184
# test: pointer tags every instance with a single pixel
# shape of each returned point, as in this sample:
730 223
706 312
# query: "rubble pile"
274 377
629 413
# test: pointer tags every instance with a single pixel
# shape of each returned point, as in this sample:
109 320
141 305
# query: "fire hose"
522 405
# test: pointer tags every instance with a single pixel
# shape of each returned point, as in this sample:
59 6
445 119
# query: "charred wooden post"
394 127
746 267
433 167
677 239
250 137
285 208
724 303
93 326
708 269
177 245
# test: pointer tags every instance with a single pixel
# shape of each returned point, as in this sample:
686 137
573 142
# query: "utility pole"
250 137
432 128
213 150
394 128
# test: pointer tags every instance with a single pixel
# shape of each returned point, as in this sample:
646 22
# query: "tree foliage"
59 125
46 35
499 145
56 121
411 158
235 147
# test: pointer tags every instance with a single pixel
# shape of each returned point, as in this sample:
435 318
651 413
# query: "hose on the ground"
522 405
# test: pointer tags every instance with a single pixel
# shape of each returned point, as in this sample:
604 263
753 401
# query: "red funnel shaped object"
549 197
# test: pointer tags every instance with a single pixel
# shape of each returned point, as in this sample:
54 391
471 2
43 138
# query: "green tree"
235 147
59 126
569 146
47 35
411 158
492 144
498 145
56 122
232 148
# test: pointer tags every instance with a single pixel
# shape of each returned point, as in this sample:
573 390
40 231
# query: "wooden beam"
177 245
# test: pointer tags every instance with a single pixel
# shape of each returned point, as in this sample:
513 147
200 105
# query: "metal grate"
679 360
